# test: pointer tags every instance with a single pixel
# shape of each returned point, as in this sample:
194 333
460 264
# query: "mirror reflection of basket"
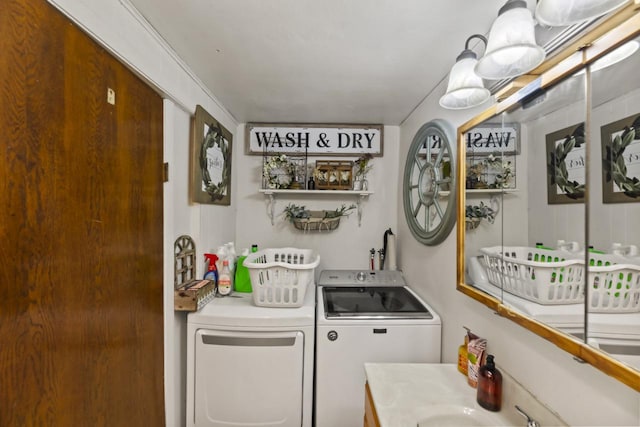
280 277
317 221
614 284
540 275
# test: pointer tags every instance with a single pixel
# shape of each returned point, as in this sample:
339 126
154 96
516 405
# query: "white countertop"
406 393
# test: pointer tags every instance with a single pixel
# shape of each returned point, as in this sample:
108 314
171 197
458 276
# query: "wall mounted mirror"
613 306
561 255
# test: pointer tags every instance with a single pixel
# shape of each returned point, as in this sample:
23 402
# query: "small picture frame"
334 175
566 151
211 147
620 142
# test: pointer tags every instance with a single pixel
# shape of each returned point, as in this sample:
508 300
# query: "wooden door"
81 319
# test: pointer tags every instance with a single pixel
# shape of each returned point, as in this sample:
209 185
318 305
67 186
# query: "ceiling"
322 61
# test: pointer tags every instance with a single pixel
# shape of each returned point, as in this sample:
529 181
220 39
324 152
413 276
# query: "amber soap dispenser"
490 386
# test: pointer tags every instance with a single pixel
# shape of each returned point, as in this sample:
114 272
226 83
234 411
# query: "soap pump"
490 386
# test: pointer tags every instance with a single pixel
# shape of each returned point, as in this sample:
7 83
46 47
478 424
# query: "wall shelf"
271 195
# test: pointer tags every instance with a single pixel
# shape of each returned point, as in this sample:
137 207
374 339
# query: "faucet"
530 421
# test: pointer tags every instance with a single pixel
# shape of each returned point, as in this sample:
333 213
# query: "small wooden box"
334 175
192 296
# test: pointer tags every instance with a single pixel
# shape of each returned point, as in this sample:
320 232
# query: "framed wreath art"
621 160
277 172
211 145
566 165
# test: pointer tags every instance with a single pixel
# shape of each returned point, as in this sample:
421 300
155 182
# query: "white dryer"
365 316
249 365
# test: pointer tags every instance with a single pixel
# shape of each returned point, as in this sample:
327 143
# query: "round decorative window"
429 191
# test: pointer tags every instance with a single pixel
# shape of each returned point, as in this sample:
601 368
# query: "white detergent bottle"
224 279
222 254
233 259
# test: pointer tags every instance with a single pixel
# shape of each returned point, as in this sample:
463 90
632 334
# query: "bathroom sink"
460 416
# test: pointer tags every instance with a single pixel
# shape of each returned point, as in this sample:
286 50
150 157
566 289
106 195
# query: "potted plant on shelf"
475 213
361 169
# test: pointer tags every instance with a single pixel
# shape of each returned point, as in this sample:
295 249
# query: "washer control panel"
361 277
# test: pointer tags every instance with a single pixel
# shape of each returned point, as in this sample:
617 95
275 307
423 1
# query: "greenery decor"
307 220
615 166
504 171
476 213
277 172
362 166
557 167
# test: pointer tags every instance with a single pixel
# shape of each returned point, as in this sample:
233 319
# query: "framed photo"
211 145
334 175
566 150
621 160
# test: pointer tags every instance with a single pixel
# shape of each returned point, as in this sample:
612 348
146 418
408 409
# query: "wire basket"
614 284
317 221
280 277
540 275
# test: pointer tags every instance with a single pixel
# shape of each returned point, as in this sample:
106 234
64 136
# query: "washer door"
248 378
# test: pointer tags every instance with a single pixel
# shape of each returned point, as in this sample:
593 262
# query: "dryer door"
248 378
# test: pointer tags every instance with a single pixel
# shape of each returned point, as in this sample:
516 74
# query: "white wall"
346 247
118 27
578 392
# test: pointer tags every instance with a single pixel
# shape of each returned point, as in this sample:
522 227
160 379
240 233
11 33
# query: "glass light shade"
511 49
465 88
613 57
558 13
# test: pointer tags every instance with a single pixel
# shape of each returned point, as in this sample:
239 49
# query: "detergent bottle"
212 271
242 281
225 286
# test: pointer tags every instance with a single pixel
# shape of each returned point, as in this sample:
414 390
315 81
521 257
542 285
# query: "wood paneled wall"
81 321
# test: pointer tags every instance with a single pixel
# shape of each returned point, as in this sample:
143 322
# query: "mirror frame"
603 36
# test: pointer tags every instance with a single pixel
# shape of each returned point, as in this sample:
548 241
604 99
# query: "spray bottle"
212 271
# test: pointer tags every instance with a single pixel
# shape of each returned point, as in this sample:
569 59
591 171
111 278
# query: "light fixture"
559 13
465 88
511 49
619 54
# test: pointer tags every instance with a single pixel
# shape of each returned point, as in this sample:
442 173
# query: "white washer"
249 365
365 316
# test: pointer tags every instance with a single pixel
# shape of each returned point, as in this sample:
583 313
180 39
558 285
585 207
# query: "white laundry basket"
614 284
540 275
280 277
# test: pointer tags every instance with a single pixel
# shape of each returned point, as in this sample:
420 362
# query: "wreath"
557 167
615 166
277 172
216 190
